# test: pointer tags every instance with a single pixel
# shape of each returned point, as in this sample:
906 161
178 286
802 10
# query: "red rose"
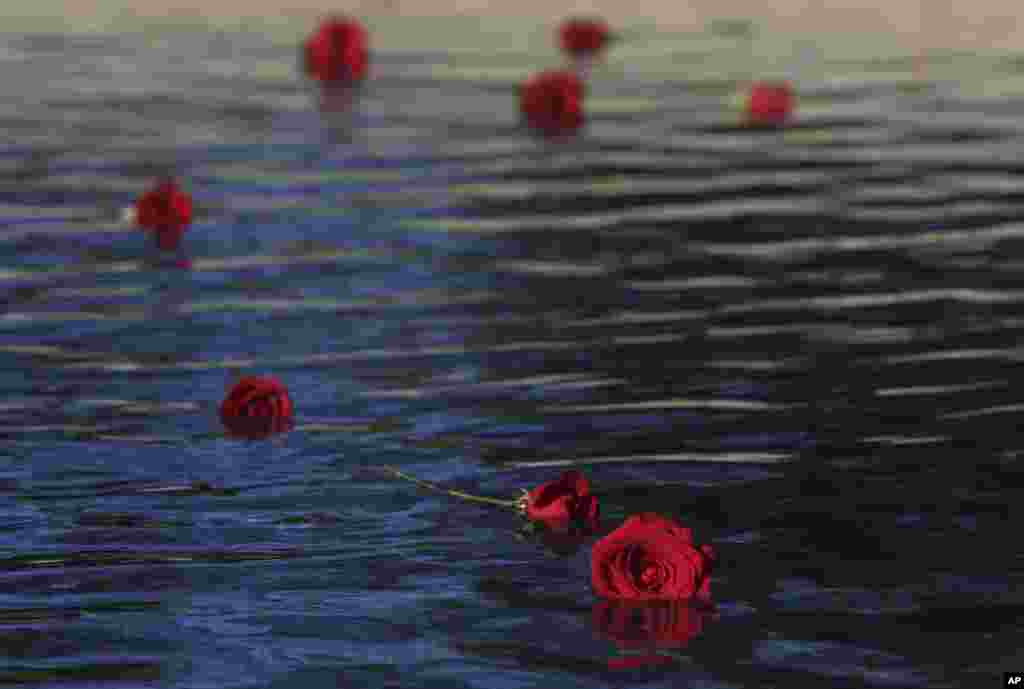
256 408
337 51
581 37
769 104
166 210
552 102
650 557
651 624
559 502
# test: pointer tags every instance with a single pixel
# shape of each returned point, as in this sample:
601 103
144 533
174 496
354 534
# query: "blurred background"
917 24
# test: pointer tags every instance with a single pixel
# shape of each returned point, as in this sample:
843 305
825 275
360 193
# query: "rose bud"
336 53
650 557
582 37
563 502
166 211
256 408
552 103
769 104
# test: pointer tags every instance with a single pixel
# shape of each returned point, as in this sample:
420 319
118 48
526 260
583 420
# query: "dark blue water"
805 345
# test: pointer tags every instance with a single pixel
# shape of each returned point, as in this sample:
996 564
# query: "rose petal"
164 209
566 498
583 36
256 406
551 102
575 482
587 510
337 51
649 558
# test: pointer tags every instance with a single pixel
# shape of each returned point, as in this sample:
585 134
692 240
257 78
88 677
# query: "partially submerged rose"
552 103
584 36
563 502
166 211
257 407
650 557
337 53
769 104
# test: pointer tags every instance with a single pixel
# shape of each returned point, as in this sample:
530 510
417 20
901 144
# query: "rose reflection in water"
173 286
257 407
558 537
168 260
337 104
650 627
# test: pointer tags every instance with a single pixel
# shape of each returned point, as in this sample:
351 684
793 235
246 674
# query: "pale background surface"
921 24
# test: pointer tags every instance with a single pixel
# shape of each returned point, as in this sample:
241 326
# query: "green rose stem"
518 504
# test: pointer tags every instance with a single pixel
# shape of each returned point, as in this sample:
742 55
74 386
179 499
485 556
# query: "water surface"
809 337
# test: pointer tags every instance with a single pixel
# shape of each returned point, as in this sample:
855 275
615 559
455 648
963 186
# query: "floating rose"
256 407
552 103
650 557
336 52
769 104
582 37
166 211
558 503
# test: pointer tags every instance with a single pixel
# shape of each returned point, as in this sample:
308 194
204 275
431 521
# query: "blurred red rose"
552 102
769 104
651 624
165 210
256 407
582 37
337 51
650 557
562 502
